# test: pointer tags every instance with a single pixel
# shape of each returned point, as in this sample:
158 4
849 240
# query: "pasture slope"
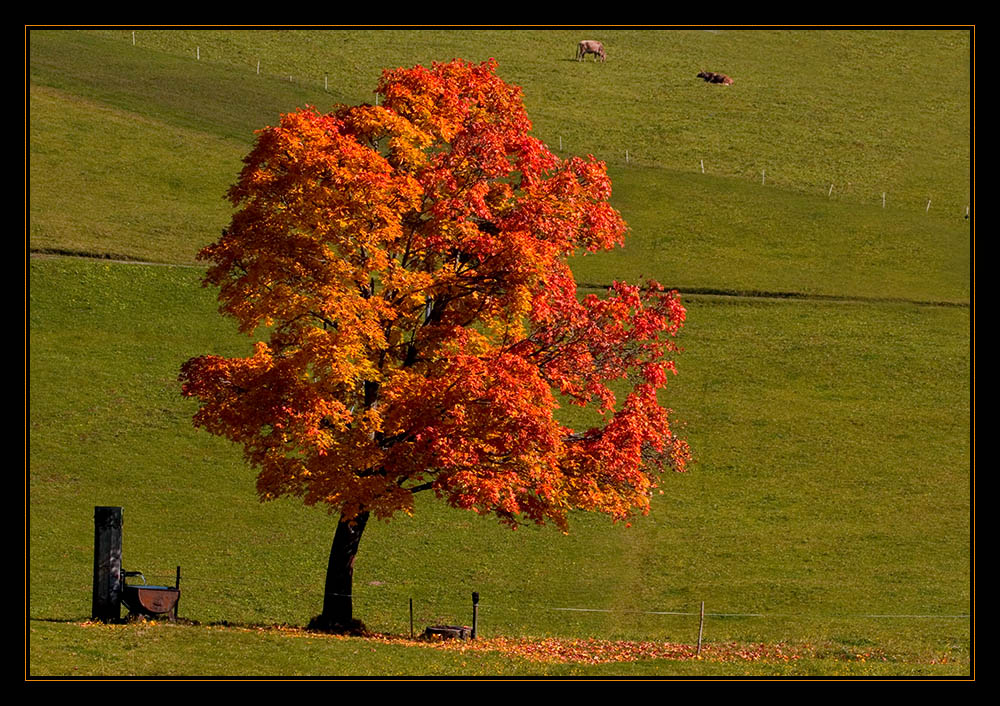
826 381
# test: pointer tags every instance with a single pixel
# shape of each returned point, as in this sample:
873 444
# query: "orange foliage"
409 261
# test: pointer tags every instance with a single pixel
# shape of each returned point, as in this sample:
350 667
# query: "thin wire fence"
210 588
628 157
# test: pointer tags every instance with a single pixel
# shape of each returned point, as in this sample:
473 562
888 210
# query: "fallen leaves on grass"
590 650
593 651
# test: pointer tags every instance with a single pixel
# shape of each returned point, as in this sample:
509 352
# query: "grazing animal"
713 77
589 46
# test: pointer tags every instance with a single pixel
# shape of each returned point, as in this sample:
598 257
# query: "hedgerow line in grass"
686 291
757 294
110 258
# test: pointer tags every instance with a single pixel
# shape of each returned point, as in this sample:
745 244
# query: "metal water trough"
452 632
445 632
151 601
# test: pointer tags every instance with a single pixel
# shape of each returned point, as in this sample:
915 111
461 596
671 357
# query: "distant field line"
109 258
687 291
758 294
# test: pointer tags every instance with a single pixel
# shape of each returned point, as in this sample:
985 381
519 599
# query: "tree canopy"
408 264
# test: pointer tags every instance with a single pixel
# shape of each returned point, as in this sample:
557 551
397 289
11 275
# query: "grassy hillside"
831 486
113 124
830 504
867 110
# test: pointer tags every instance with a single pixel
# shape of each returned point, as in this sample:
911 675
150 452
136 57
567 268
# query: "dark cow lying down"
713 77
590 46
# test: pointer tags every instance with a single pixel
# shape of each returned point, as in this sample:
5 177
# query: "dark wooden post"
475 614
107 598
177 585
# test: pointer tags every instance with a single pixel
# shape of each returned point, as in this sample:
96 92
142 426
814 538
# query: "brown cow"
713 77
590 46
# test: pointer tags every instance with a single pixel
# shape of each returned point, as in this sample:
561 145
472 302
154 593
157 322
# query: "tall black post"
107 599
475 614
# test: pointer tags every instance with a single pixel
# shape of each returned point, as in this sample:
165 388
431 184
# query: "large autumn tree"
408 262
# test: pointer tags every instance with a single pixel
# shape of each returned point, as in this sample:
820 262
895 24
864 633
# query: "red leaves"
410 259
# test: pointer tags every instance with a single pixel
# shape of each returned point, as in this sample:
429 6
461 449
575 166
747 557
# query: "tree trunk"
338 607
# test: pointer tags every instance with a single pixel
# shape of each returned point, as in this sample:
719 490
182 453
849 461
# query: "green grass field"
829 508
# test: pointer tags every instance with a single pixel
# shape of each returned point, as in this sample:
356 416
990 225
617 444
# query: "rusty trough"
151 601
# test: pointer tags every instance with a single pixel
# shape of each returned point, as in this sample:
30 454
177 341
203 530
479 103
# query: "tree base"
323 624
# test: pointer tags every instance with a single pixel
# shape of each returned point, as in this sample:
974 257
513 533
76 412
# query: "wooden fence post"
701 626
